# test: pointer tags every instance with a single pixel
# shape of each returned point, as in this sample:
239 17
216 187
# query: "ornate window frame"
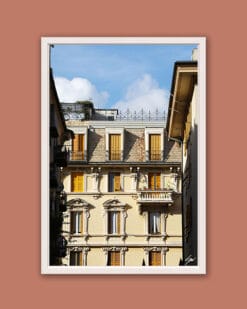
122 251
79 205
115 205
163 251
83 250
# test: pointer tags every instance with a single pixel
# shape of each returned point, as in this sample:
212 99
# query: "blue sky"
117 76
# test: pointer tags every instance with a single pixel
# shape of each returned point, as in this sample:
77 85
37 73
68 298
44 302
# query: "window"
114 147
78 147
76 222
154 223
114 222
114 184
114 258
77 182
75 258
154 258
154 147
154 181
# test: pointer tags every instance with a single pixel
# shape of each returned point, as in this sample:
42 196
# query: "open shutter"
114 258
157 181
151 177
118 222
117 185
72 222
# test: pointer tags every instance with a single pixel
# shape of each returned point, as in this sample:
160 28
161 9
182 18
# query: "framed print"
123 155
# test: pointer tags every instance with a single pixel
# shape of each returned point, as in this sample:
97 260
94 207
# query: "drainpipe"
182 200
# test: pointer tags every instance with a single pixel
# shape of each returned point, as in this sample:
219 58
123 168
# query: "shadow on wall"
134 147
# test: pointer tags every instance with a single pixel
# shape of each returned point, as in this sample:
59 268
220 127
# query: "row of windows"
114 183
115 222
115 151
114 258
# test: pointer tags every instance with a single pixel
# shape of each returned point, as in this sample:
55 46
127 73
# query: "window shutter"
118 222
114 258
154 147
78 147
151 181
77 182
117 185
158 181
154 258
80 258
72 222
114 147
110 222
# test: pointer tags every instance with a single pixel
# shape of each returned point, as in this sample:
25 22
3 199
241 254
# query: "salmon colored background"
22 25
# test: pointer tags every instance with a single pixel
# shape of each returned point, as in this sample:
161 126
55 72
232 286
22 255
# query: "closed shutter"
78 147
154 147
114 258
77 182
154 258
154 181
114 147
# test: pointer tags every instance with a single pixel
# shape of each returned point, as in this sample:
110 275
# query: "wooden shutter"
72 222
118 222
154 147
77 182
78 147
117 185
114 258
154 258
154 181
114 147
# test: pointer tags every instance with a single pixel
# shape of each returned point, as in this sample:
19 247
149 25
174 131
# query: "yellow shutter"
81 219
77 182
114 147
117 185
72 222
154 147
80 258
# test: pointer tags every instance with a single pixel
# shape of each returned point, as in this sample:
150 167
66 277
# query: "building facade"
182 126
123 187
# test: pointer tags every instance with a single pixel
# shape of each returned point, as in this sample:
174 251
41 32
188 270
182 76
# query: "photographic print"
123 155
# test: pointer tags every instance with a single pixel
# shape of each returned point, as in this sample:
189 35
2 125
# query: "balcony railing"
77 156
154 196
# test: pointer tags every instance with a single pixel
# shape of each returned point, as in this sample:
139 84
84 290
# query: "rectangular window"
114 184
78 147
75 258
154 258
114 258
154 147
154 181
154 223
114 222
115 147
76 222
77 182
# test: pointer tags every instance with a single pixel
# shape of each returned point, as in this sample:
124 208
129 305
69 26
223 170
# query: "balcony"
154 196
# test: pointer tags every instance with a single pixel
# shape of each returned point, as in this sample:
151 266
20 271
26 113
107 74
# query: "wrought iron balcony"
155 196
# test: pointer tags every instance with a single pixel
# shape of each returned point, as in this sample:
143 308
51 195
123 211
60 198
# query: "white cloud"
144 93
79 89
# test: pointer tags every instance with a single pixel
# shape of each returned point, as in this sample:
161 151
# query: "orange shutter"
78 147
114 258
154 258
151 177
158 181
72 222
80 258
118 222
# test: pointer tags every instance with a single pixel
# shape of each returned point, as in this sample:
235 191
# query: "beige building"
182 126
123 186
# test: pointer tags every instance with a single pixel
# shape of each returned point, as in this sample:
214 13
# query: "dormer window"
154 144
114 144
